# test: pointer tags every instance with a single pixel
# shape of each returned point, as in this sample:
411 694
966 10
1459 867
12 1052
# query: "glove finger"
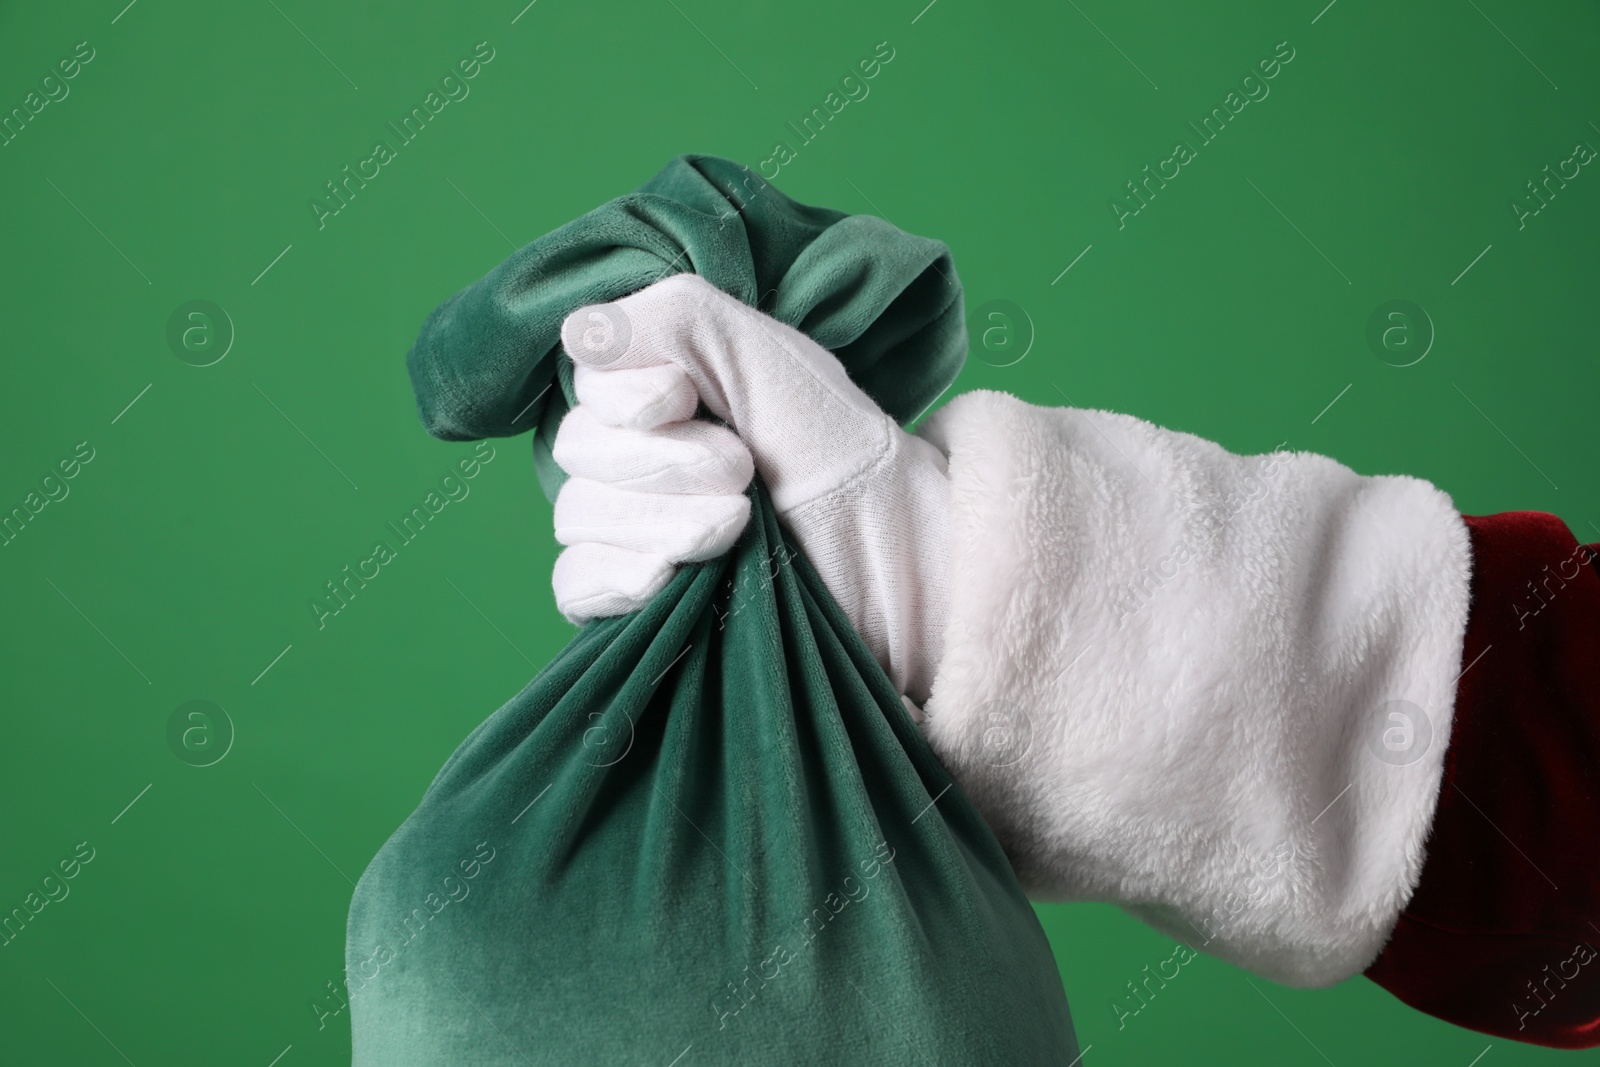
639 398
696 457
678 527
594 580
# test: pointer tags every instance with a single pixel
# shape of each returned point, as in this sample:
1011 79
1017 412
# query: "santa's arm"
1502 932
1221 691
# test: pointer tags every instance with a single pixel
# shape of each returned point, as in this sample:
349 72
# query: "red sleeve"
1502 933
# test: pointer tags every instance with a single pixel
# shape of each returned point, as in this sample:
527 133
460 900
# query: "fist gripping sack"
708 832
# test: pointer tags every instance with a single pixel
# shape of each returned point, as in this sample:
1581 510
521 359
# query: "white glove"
868 503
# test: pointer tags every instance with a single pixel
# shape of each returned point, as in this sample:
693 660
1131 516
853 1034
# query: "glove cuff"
881 543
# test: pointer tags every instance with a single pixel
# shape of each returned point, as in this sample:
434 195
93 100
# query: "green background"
1235 306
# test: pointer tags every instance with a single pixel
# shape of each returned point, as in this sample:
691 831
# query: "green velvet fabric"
886 302
707 829
708 832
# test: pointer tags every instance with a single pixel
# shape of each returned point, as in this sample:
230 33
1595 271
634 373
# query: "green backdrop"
208 505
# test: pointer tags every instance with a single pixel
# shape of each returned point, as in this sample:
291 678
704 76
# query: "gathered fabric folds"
884 301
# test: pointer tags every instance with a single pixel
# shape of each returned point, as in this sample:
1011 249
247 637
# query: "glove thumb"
810 429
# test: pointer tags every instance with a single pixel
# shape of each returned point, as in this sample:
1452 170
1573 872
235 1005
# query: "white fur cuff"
1214 689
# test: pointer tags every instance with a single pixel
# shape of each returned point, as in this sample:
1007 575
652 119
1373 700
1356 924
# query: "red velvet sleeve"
1502 933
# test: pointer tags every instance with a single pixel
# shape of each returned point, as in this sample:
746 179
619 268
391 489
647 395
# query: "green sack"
707 833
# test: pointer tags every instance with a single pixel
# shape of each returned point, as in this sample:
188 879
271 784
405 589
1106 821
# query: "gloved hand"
651 487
